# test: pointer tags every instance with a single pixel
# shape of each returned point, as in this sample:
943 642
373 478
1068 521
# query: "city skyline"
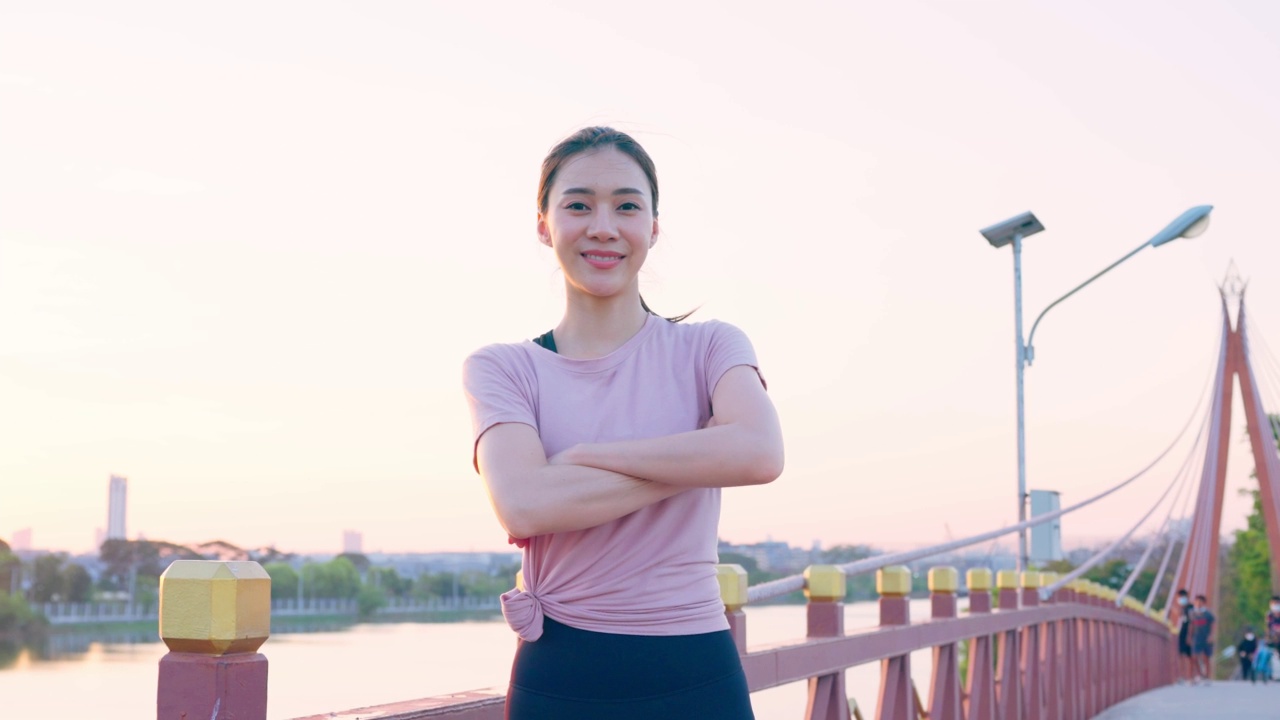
243 263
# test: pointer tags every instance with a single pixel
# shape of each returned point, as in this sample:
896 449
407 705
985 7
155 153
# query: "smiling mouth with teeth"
602 258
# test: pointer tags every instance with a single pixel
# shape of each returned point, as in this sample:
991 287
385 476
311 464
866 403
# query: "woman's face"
599 220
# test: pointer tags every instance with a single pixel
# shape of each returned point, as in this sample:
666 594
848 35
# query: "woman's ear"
653 239
544 232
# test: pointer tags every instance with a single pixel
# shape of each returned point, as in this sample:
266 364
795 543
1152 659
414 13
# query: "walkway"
1219 700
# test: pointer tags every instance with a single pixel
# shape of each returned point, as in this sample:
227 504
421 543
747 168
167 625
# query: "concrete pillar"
733 592
897 699
213 617
825 588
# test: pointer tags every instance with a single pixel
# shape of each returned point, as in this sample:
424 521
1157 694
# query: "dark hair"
1182 591
597 138
1201 597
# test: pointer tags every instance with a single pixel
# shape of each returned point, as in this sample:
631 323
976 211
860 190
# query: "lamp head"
1002 234
1187 225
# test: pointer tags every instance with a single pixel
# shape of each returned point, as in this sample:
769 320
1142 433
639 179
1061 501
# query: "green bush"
370 599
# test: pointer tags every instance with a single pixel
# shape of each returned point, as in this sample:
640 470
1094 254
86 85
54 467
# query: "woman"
603 460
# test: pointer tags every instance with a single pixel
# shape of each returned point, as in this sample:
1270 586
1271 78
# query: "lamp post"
1013 231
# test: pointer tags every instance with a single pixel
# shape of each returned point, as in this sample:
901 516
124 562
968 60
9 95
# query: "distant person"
1186 665
1271 626
1202 620
604 461
1247 651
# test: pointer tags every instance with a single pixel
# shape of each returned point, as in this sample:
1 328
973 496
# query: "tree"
126 558
359 560
390 581
370 599
284 580
10 569
46 585
337 578
77 585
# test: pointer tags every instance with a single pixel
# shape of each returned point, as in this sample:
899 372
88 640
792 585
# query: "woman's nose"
603 227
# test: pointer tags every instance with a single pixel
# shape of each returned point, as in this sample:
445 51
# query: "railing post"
1009 694
825 588
980 686
1094 656
1033 699
1052 655
733 592
897 702
944 686
1110 681
213 617
1074 705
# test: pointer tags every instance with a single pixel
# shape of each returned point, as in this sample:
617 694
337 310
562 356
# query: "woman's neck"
593 327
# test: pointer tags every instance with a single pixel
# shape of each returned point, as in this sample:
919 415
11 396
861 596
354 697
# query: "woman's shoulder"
500 357
705 330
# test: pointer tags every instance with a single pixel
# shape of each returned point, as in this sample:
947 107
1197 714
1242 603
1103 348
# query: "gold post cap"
733 586
978 579
1007 579
520 580
215 607
893 580
1031 579
944 579
824 583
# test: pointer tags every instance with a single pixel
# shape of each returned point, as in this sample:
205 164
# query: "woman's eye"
629 206
577 206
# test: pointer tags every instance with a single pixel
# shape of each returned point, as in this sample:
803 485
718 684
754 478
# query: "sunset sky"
244 248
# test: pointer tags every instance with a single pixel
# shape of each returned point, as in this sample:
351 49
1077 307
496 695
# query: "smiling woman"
603 460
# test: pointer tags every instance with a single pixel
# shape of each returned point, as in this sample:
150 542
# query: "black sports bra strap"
547 341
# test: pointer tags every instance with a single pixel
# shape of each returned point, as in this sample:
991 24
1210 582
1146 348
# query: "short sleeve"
497 391
728 347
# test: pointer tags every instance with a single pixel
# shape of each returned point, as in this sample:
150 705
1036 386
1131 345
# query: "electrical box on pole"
1046 539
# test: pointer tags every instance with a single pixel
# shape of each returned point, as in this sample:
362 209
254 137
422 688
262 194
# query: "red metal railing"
1066 657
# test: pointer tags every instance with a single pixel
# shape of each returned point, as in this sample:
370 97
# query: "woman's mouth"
602 260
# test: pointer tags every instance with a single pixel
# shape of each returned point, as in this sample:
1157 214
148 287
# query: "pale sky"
244 249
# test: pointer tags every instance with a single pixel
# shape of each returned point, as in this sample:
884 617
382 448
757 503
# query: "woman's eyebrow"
589 191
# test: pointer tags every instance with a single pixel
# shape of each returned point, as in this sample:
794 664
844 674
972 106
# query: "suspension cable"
1269 366
792 583
1181 480
1168 552
1085 566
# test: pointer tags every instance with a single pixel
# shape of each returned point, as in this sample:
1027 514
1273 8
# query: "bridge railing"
1064 657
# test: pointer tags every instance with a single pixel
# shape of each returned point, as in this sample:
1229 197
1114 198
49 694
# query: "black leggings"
571 674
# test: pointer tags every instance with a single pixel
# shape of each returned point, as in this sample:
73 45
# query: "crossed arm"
591 484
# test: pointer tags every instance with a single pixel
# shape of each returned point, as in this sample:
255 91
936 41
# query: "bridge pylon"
1198 570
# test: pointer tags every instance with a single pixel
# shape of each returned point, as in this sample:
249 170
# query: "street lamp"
1013 231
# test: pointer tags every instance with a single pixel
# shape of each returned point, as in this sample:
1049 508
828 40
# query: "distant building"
99 535
117 501
21 539
352 542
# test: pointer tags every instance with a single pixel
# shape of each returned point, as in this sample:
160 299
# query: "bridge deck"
1218 700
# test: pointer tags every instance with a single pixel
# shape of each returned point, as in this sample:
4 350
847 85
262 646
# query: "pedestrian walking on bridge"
1202 620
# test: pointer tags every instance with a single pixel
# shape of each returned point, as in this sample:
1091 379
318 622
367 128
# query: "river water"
112 676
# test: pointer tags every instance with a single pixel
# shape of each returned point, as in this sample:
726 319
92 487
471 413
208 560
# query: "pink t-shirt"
651 572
